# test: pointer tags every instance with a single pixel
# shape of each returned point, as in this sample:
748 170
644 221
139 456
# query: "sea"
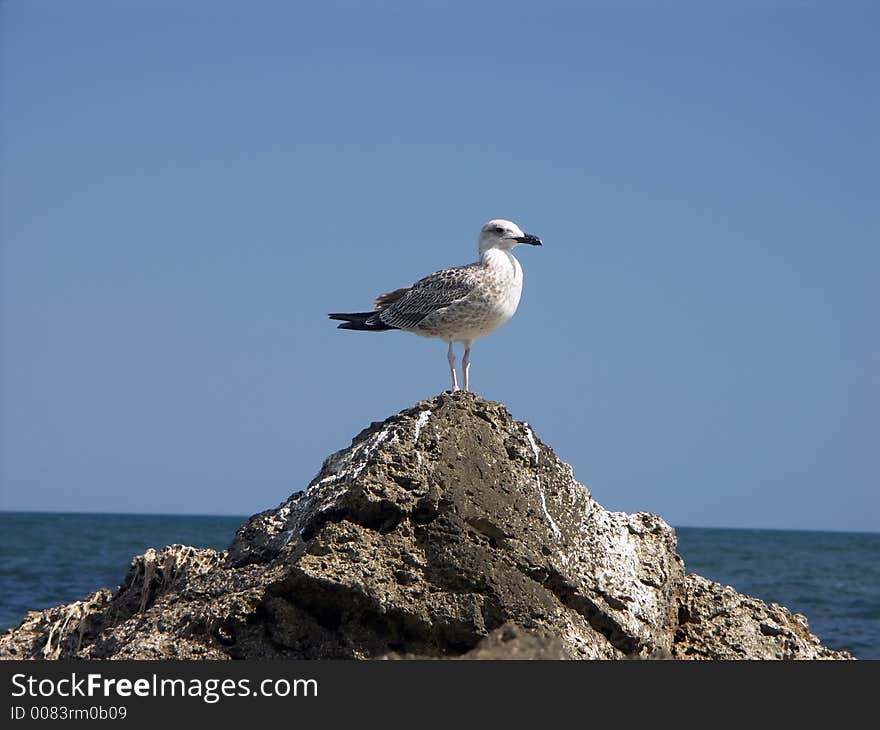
831 577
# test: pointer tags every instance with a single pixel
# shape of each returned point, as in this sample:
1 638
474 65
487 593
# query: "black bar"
407 693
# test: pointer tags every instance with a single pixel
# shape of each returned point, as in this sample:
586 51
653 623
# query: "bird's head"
499 233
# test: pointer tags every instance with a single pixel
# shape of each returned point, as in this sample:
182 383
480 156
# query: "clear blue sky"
188 188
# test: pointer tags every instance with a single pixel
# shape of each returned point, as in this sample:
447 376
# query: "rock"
446 531
716 622
506 642
513 642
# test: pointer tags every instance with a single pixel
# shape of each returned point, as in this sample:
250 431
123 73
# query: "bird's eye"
499 229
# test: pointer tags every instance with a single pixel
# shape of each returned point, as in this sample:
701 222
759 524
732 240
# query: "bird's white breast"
507 282
496 288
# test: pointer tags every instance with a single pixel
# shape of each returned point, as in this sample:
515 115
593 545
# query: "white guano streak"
531 437
364 451
421 422
553 524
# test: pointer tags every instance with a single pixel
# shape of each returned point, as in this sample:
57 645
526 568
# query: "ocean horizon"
833 578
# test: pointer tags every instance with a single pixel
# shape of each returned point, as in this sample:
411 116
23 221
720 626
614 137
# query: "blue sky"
187 189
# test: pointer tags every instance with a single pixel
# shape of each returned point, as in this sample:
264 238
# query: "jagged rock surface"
447 531
716 622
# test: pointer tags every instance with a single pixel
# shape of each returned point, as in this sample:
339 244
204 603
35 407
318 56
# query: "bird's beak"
529 239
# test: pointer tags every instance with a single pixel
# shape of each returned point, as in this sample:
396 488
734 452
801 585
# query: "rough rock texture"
448 531
716 622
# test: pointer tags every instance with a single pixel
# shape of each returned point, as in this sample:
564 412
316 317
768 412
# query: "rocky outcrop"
716 622
447 531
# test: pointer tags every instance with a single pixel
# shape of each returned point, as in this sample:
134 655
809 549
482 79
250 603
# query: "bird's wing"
405 308
386 300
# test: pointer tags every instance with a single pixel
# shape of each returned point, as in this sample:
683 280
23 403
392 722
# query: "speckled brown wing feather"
405 308
385 300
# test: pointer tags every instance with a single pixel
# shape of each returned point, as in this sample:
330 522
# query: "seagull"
460 304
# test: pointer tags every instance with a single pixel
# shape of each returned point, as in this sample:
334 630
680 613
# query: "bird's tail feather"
366 321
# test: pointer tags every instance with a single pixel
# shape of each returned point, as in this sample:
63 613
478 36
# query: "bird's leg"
451 357
465 366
